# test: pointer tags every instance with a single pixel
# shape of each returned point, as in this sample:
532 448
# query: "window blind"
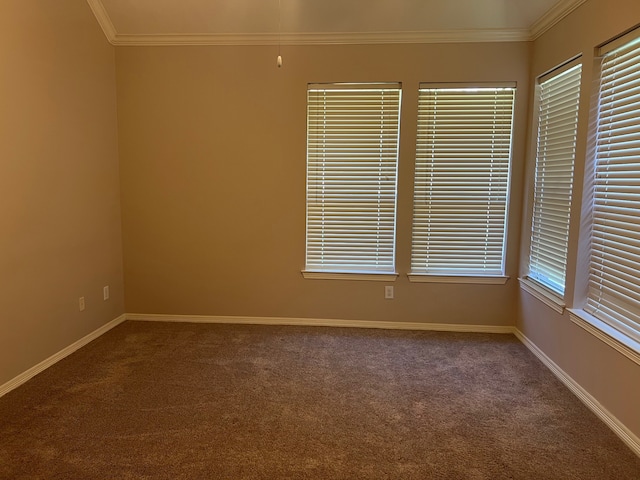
461 180
614 289
352 155
558 102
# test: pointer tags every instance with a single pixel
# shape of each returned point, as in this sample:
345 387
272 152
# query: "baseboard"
626 435
33 371
313 322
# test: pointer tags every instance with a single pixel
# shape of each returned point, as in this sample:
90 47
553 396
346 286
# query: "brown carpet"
189 401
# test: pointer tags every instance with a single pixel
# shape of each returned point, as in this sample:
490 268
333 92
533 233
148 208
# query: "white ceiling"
325 21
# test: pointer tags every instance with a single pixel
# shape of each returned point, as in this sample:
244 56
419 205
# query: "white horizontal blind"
614 280
461 180
352 156
558 100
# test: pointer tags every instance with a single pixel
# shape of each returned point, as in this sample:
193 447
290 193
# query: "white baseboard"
626 435
312 322
65 352
33 371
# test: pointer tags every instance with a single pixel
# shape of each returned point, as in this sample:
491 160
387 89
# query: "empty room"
320 239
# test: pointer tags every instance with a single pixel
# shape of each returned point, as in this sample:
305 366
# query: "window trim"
530 284
460 279
603 329
467 276
542 293
316 156
624 344
371 277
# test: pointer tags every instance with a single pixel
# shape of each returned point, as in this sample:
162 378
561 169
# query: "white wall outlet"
388 291
105 292
81 304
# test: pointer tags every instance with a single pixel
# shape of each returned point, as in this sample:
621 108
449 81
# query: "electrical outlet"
105 292
81 304
388 291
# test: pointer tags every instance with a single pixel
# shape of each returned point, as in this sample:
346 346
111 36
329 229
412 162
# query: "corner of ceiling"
553 16
103 19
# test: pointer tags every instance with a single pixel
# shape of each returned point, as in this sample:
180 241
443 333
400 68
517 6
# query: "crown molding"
544 23
342 38
197 39
103 19
553 16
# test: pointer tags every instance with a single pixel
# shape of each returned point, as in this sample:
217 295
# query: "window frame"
421 241
326 255
600 326
555 82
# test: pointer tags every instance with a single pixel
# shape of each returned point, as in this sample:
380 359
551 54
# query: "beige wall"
60 209
212 145
212 148
611 378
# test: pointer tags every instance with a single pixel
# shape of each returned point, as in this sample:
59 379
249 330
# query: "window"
352 157
558 100
614 291
461 181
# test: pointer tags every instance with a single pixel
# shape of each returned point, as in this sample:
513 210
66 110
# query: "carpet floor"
193 401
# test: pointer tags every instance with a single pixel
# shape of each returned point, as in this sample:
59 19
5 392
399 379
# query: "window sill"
372 277
550 299
627 346
482 280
